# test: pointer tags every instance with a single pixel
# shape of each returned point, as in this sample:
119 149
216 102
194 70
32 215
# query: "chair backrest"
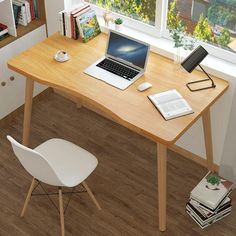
35 163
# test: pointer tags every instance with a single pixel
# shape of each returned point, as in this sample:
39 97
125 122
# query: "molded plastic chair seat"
56 162
71 163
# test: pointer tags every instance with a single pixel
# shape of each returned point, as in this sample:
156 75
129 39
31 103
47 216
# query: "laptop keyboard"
117 69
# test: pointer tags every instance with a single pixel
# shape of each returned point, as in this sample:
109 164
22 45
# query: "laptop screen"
127 49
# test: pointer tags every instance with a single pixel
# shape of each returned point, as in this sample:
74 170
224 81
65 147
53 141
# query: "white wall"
221 120
52 7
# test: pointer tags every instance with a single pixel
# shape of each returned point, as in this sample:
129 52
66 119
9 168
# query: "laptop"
124 62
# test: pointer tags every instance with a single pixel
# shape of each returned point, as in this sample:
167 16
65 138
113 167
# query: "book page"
174 108
166 97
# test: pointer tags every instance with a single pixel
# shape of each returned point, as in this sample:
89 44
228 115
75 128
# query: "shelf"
21 31
7 18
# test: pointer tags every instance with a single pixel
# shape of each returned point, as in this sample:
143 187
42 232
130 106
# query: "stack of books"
24 11
209 204
3 31
79 22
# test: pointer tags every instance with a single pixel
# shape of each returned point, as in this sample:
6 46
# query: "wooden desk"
129 108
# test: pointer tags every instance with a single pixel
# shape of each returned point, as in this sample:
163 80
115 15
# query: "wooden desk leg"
206 118
161 171
27 112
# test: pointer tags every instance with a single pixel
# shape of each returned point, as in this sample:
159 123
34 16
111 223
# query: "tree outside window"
212 21
141 10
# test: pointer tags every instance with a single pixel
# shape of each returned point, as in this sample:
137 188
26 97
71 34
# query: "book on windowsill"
88 25
211 198
170 104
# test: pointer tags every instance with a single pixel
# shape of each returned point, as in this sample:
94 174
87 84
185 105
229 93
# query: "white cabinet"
21 37
12 94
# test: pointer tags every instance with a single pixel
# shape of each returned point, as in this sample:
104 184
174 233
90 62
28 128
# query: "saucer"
61 56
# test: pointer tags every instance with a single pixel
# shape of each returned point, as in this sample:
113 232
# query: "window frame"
160 30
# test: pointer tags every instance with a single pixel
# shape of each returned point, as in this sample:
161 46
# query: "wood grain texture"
124 183
130 108
161 171
61 209
29 89
28 197
206 120
94 200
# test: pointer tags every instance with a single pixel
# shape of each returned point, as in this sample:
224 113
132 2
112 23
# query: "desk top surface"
130 107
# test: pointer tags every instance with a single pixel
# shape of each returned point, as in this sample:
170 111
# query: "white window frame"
160 29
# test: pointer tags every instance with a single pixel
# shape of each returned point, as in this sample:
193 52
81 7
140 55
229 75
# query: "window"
211 21
136 9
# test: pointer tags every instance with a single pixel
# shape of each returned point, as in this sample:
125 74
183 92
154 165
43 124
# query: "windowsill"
164 47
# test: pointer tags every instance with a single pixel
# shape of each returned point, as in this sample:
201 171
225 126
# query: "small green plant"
118 21
213 179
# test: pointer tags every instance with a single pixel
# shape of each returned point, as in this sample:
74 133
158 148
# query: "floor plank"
125 181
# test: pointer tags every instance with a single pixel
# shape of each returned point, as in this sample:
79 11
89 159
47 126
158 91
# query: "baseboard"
191 156
7 119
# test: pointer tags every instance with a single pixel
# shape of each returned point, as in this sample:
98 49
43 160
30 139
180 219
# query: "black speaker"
194 59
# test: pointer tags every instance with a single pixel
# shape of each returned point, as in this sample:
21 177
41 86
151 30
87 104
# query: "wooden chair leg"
28 197
91 195
61 212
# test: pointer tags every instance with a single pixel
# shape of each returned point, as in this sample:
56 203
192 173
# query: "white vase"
118 27
177 56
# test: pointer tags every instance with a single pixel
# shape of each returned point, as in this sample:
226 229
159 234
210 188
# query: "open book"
170 104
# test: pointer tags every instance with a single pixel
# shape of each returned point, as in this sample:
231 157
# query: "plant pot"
211 186
118 27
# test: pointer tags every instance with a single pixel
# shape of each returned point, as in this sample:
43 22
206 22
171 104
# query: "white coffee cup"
61 56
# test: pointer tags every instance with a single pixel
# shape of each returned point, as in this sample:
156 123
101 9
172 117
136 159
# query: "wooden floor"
125 181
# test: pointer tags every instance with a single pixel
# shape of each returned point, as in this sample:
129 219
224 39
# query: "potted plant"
213 181
118 23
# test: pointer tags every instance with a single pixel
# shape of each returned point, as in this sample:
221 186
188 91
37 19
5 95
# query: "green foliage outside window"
142 10
177 29
203 30
173 19
223 16
222 13
224 39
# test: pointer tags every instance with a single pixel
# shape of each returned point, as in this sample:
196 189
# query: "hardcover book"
74 27
17 11
206 210
3 29
211 198
204 219
88 25
204 225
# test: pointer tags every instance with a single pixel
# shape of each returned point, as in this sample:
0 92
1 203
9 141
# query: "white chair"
59 163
